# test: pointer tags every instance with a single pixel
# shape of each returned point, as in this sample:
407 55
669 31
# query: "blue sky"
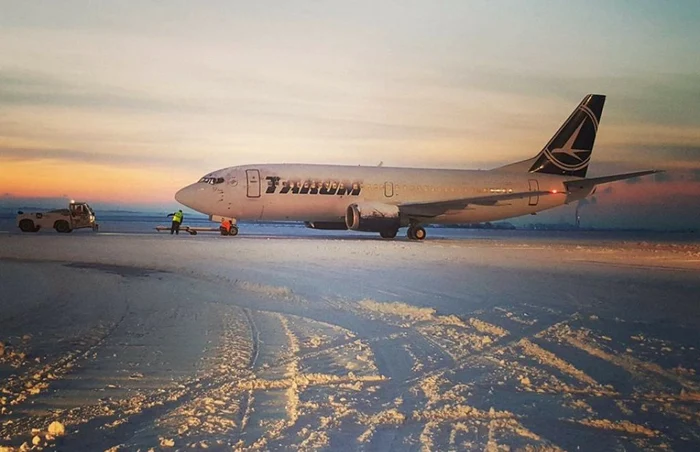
155 94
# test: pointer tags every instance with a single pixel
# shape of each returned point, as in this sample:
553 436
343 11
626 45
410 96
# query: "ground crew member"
177 220
225 226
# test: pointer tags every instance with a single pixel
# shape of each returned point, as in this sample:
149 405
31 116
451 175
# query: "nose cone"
187 196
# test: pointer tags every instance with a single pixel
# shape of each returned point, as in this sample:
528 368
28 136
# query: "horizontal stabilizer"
591 182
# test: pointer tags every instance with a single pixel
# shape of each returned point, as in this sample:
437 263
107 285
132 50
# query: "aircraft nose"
186 196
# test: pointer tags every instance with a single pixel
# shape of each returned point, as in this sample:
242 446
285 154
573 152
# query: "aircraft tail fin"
568 152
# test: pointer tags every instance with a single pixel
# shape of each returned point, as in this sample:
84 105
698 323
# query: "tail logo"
568 158
568 152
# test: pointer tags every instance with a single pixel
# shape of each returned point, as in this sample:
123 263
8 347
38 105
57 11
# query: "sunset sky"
122 103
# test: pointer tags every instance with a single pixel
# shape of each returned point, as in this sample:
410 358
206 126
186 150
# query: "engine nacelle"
372 217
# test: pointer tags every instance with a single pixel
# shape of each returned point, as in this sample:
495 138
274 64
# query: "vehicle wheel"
233 231
62 226
27 226
223 231
192 232
389 234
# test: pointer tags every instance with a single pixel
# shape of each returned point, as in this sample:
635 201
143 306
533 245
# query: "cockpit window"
212 180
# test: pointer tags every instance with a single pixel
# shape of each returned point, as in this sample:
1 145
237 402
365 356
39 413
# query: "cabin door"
534 186
253 177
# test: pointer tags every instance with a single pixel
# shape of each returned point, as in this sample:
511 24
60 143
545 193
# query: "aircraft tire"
409 233
415 233
233 231
389 234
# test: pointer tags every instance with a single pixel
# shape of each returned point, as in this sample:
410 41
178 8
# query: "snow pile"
387 417
57 429
264 289
550 359
409 312
620 426
487 328
399 309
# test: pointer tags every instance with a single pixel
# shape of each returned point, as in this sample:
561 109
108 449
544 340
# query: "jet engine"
372 217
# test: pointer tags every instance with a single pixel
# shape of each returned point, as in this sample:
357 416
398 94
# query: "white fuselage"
322 193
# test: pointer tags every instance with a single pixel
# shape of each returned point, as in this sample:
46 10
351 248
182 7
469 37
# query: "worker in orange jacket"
225 227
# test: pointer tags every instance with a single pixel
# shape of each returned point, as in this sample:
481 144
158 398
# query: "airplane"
384 199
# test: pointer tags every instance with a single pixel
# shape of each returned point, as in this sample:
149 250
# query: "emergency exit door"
534 186
253 177
388 189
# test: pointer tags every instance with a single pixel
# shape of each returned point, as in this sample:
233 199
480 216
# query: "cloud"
666 99
22 88
672 153
25 154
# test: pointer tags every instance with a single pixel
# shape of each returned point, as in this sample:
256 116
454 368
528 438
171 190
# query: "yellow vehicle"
78 215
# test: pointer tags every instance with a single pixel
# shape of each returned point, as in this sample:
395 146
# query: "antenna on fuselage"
381 163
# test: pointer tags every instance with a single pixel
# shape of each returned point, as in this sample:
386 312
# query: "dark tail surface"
568 153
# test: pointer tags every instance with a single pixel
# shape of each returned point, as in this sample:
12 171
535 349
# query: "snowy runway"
145 341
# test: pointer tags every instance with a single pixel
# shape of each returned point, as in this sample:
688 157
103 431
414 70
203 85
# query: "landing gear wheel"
389 234
416 233
233 231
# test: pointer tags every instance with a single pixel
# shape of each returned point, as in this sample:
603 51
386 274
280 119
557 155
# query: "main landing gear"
389 233
415 232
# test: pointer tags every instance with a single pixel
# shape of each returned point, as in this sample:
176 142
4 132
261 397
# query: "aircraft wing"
435 208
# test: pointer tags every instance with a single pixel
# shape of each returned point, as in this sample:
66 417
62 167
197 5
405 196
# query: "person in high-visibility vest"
177 220
225 227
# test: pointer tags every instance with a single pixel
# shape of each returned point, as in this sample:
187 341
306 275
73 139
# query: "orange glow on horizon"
90 182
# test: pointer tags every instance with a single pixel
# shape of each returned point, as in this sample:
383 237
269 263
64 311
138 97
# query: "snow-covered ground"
267 342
